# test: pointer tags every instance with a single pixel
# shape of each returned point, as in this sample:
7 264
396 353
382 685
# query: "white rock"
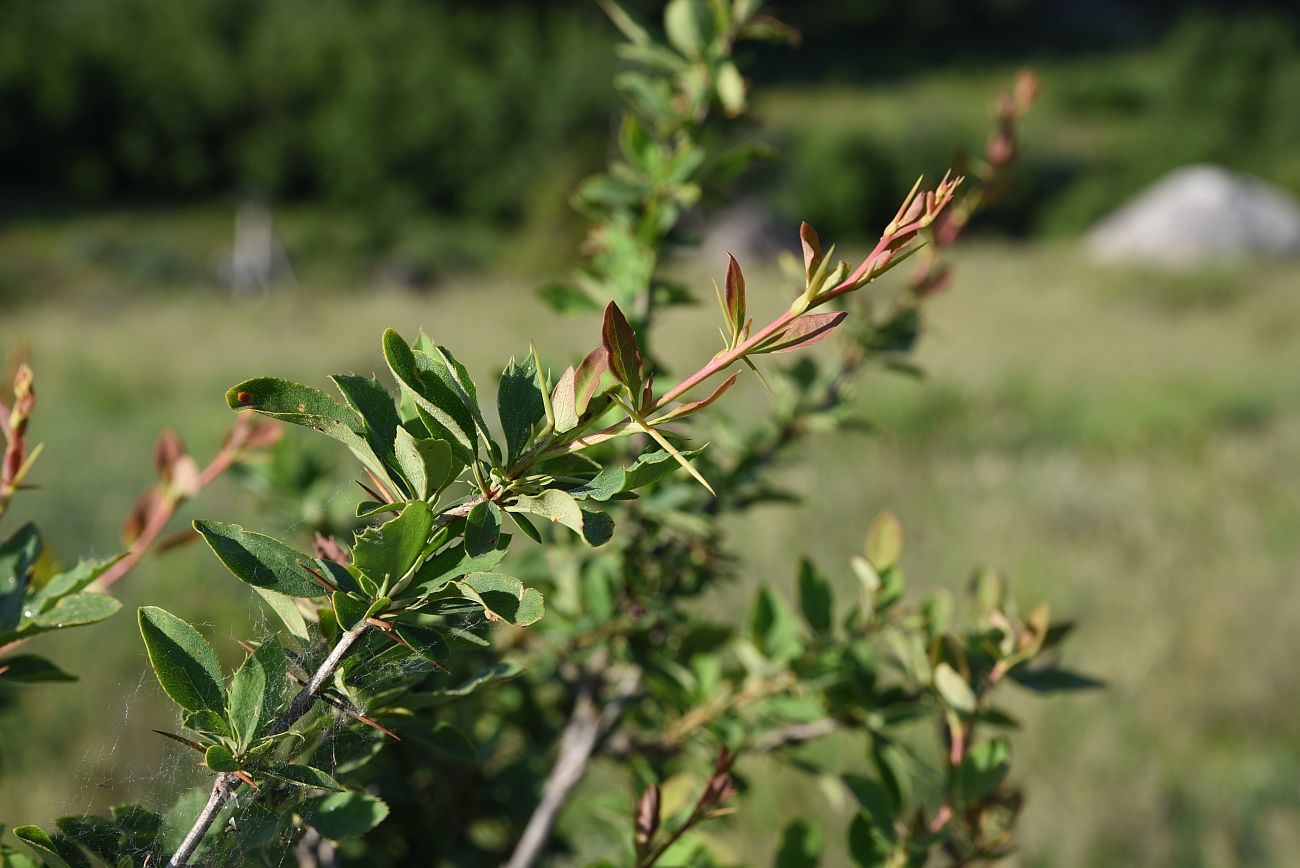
1198 215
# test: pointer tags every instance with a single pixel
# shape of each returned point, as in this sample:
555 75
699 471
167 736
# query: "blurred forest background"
1119 440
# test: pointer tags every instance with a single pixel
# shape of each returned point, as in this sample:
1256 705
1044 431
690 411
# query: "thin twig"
588 722
226 782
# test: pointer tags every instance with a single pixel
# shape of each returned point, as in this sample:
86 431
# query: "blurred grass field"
1123 444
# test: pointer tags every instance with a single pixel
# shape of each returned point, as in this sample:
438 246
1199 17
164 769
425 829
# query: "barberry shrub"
439 680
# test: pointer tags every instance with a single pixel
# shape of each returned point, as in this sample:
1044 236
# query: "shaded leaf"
343 815
438 571
442 410
303 776
426 464
503 598
1053 679
372 403
30 669
801 845
17 556
520 405
814 597
985 767
386 553
183 660
596 528
773 628
257 691
482 528
260 560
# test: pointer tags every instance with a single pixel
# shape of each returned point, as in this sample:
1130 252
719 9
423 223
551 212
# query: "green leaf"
304 405
183 660
426 464
284 606
219 758
207 722
631 29
620 346
76 610
101 837
303 776
371 401
11 858
71 581
482 528
441 408
773 628
259 560
498 673
868 845
503 598
985 767
651 467
255 826
343 815
257 691
55 852
885 542
388 552
438 571
520 405
893 772
30 669
956 693
565 298
801 845
180 819
17 556
815 597
350 610
596 528
443 739
873 797
1052 679
689 24
731 88
421 633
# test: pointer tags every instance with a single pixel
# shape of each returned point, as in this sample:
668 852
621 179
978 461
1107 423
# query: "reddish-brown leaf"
805 331
619 341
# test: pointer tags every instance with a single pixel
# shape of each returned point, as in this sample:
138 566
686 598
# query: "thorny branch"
226 782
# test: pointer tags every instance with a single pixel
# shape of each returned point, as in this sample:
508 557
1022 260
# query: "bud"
647 817
166 452
327 548
1026 90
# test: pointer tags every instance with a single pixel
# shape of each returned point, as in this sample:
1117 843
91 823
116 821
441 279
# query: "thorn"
319 578
387 498
374 495
185 741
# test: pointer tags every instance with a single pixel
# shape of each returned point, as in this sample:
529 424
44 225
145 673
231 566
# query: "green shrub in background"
449 106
